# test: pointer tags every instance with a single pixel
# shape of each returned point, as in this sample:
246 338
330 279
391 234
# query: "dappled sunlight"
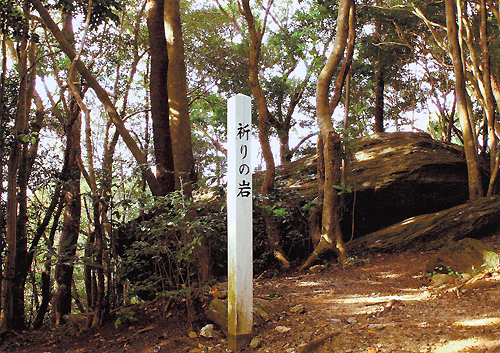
309 284
367 155
467 343
363 156
389 275
491 321
375 299
408 221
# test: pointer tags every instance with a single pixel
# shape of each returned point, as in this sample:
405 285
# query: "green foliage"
12 20
102 10
445 270
209 121
163 259
343 188
125 317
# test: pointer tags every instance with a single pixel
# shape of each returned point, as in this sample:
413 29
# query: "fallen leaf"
200 346
372 351
370 331
322 325
192 334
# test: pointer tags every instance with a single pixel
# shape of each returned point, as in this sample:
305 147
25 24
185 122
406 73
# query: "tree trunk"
260 100
28 155
103 97
46 294
71 221
379 84
2 153
489 99
159 97
9 292
180 125
316 215
331 234
475 187
379 98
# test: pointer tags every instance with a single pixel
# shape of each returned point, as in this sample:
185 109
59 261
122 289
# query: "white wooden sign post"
239 219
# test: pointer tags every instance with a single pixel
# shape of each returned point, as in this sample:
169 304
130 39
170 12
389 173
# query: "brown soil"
380 303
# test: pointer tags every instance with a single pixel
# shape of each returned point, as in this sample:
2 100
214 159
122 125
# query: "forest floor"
381 303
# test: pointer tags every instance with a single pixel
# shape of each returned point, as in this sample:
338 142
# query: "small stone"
297 309
282 329
290 350
255 342
208 331
442 278
352 320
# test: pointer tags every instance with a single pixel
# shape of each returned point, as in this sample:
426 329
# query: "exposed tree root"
313 345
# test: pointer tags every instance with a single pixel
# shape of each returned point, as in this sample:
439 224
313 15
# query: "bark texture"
267 185
72 213
159 97
475 183
180 124
7 320
331 235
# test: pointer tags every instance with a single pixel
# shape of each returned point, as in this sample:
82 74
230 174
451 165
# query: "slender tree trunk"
474 176
264 124
9 292
72 214
284 139
102 96
159 96
28 155
489 99
331 235
379 84
315 230
379 98
46 294
2 153
99 305
180 124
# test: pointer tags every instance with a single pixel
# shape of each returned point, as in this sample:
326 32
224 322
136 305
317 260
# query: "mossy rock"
464 256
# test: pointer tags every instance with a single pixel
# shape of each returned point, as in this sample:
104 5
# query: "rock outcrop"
434 230
393 176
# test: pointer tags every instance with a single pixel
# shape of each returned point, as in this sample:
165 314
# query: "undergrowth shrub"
159 258
158 248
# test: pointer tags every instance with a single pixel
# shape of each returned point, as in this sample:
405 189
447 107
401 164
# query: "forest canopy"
113 127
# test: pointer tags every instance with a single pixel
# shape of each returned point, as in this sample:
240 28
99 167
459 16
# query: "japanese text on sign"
244 187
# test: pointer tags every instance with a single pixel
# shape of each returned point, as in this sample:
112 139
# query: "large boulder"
466 256
434 230
394 176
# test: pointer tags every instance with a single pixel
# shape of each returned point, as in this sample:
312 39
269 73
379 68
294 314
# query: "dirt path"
384 303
